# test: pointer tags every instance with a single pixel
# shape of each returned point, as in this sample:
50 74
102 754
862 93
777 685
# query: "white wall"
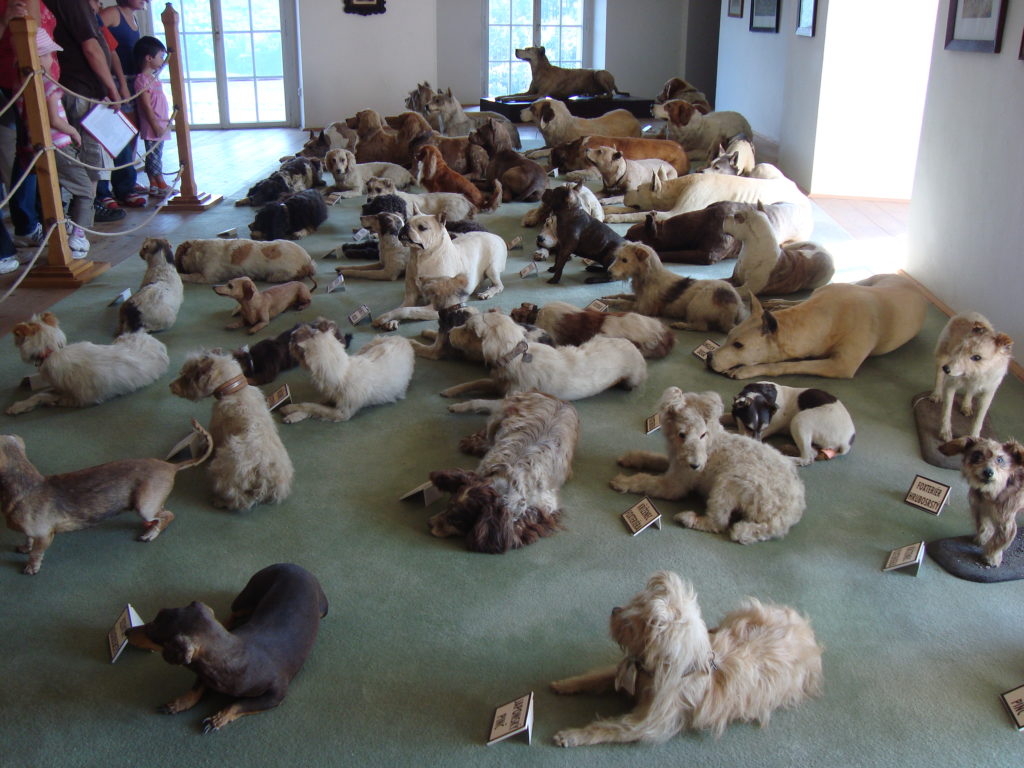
802 93
966 222
352 62
642 48
460 47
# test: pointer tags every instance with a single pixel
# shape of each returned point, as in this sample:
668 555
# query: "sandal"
134 201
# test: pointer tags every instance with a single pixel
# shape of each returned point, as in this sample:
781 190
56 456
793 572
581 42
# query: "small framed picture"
364 7
736 9
764 16
975 25
806 10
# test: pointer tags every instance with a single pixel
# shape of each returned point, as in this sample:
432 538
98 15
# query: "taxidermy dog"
972 359
257 308
765 267
392 254
350 177
619 173
159 296
753 492
447 295
819 424
579 233
291 218
378 374
40 507
511 500
452 205
995 474
250 464
588 200
760 658
560 82
84 373
254 655
216 260
677 88
294 175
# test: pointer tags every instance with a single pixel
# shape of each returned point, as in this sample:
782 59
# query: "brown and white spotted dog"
571 325
995 474
217 260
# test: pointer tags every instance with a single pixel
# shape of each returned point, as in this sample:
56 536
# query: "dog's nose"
695 466
987 474
945 369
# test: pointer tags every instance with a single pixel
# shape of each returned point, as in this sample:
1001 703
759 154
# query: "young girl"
152 113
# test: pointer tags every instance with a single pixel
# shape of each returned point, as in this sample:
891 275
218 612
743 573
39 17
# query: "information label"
512 719
1014 702
430 492
707 346
926 494
117 636
362 313
909 557
642 516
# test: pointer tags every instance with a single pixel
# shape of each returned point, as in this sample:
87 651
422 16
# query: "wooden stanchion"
189 198
60 269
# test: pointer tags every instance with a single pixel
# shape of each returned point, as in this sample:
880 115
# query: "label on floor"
1014 702
512 719
642 516
597 305
122 297
652 423
117 636
926 494
336 284
186 448
359 315
529 269
909 556
431 493
708 346
278 396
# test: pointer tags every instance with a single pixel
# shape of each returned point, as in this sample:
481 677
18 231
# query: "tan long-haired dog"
40 507
257 308
436 176
762 657
84 373
995 474
250 464
972 359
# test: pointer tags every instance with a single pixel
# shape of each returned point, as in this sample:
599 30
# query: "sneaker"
9 264
156 191
32 240
105 215
140 190
134 201
107 202
78 243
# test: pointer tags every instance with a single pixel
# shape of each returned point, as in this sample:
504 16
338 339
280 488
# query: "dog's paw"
620 483
933 397
967 408
293 415
385 325
562 687
31 568
568 738
945 435
211 724
23 549
686 519
18 408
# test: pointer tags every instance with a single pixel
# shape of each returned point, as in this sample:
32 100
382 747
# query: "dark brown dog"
459 153
677 88
436 176
571 156
254 656
579 233
263 361
40 507
690 238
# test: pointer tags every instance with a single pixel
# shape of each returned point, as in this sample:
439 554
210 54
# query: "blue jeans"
25 203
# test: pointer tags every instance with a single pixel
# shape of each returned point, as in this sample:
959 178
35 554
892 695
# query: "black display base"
961 557
928 416
579 106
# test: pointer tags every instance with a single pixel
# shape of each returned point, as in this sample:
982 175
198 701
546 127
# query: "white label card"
515 243
652 423
431 493
1014 702
228 234
122 297
708 346
116 637
641 516
926 494
336 283
332 198
597 305
359 315
512 719
529 269
186 448
360 235
909 556
281 395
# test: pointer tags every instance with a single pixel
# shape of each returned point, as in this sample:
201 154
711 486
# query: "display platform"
961 557
579 106
928 416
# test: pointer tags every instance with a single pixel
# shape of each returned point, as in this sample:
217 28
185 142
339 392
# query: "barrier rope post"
189 199
60 270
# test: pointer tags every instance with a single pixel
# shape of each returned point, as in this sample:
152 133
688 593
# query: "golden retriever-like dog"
830 334
760 658
558 126
677 88
217 260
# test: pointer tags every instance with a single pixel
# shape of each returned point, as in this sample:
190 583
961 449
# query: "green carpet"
423 638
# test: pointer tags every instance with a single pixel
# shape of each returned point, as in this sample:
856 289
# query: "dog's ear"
649 227
21 330
248 289
655 182
179 650
739 218
451 480
49 318
641 254
760 207
769 324
442 218
671 398
547 114
709 405
1015 449
1003 342
616 155
953 447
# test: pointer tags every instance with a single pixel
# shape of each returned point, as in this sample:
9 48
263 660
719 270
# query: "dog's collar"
41 358
630 667
618 182
519 349
230 386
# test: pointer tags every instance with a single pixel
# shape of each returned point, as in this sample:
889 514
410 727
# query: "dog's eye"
976 358
738 344
704 435
421 227
976 457
682 435
1000 460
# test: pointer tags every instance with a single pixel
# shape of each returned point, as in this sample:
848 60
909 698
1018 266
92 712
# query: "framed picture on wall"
806 10
764 15
736 9
365 7
975 25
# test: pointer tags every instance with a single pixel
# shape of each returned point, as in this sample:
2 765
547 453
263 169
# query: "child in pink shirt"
152 113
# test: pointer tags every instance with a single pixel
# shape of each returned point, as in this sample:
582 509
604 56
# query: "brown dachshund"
436 176
257 307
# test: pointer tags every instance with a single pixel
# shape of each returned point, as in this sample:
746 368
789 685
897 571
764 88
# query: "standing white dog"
760 658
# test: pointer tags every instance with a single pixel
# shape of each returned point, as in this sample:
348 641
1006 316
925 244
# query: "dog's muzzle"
945 369
987 474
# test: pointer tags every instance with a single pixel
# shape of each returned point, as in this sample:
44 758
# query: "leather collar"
230 386
519 349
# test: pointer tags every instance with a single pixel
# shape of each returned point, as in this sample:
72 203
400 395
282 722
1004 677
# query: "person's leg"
123 180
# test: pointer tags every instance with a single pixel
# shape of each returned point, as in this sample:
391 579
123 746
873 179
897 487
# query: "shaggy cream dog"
511 500
569 373
218 260
451 205
380 373
742 479
697 305
620 174
84 373
970 358
159 296
350 177
762 657
250 464
765 267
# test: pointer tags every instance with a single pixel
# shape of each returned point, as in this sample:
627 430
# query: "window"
558 25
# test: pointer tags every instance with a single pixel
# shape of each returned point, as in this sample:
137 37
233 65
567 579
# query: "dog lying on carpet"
700 133
350 177
84 373
574 326
970 358
290 218
558 126
696 305
295 175
620 174
571 156
160 294
760 658
458 152
434 175
829 334
455 207
752 490
579 233
447 295
995 474
218 260
250 464
764 267
535 217
560 82
392 254
257 308
819 424
511 500
40 507
378 374
254 656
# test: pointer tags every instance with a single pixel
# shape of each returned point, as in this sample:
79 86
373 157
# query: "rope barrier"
140 225
28 170
16 96
90 99
31 262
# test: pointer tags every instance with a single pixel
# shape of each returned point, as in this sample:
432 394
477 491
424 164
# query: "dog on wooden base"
40 507
995 474
760 658
557 125
254 655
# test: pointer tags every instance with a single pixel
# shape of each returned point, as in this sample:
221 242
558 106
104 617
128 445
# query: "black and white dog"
294 175
290 218
816 420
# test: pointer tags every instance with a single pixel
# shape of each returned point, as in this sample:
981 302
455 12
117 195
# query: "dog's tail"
312 279
189 463
130 319
494 200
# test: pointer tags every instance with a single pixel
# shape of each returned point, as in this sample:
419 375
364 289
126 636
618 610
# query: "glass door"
239 62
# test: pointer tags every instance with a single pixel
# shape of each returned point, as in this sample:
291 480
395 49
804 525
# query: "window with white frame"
561 26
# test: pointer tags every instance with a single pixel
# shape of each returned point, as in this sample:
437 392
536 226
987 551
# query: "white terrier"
159 296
